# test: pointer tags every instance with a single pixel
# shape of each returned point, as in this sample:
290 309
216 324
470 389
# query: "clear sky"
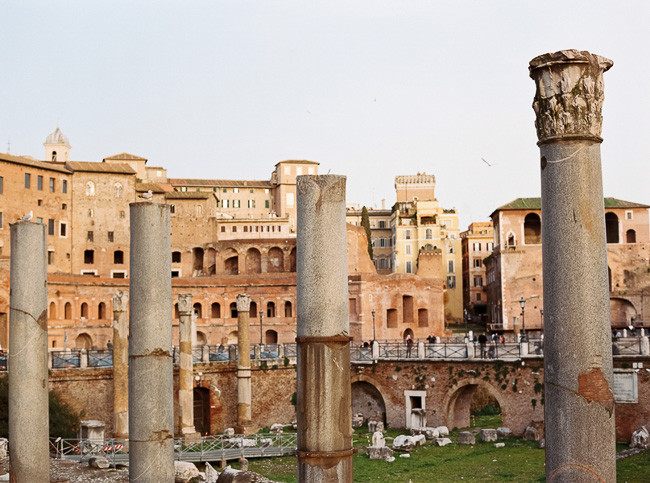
370 89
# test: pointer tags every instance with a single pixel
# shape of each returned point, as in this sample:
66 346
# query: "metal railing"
207 448
66 359
627 346
360 354
445 351
100 358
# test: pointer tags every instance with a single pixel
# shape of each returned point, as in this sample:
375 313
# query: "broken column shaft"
579 404
324 400
29 456
120 367
243 364
186 367
151 416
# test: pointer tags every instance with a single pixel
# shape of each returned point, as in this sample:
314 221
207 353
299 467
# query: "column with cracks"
29 456
324 400
243 364
120 366
151 418
186 368
579 403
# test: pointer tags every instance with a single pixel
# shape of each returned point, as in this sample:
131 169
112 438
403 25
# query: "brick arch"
230 261
457 402
367 399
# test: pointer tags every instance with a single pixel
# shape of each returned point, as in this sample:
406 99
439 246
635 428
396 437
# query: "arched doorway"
197 260
532 229
292 260
233 337
611 227
407 333
367 400
231 262
473 396
198 310
201 338
52 310
83 341
211 261
622 311
202 410
276 260
253 261
271 337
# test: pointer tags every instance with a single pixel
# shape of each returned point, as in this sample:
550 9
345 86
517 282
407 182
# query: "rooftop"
536 204
93 167
220 183
57 137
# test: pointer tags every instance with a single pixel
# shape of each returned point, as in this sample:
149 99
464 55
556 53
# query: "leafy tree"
64 421
365 223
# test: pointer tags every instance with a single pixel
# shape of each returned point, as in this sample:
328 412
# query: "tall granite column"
324 400
29 456
579 407
120 367
186 368
151 403
243 364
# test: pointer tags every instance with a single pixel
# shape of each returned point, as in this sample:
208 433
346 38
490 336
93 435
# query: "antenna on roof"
8 147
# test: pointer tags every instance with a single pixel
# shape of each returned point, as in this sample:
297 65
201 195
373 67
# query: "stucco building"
381 234
477 243
514 269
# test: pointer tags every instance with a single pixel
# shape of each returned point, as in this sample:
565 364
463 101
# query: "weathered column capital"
185 306
569 97
243 302
120 301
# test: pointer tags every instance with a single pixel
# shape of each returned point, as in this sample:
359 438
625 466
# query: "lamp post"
522 302
541 318
373 325
465 319
261 316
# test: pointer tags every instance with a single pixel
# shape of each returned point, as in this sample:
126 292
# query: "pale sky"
370 89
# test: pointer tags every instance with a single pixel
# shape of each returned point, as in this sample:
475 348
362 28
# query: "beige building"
514 269
477 243
381 234
420 225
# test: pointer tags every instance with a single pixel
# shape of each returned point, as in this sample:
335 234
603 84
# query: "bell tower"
57 147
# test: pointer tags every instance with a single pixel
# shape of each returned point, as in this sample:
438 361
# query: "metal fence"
207 448
290 350
66 359
99 358
445 351
360 354
626 346
391 349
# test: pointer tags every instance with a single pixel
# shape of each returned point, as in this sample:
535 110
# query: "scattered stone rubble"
465 437
531 434
503 433
640 438
488 435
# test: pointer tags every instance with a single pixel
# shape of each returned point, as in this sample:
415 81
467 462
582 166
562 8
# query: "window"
478 281
225 203
0 219
450 249
234 229
63 229
176 256
383 263
183 188
90 188
266 203
1 184
111 237
407 249
477 263
611 227
628 214
289 200
478 297
28 180
39 183
118 257
172 208
91 213
630 236
52 185
223 229
450 266
489 246
64 185
428 234
225 190
532 229
39 202
382 243
251 190
409 266
236 203
235 190
382 223
50 257
298 171
118 274
199 210
176 273
408 234
118 188
451 281
90 237
476 247
39 220
89 257
64 206
374 242
245 228
251 203
50 226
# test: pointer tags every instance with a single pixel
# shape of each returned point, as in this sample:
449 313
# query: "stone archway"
367 400
459 398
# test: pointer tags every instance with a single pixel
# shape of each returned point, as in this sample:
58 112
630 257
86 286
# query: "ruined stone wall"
447 389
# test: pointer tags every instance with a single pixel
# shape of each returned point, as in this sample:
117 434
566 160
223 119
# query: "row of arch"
84 311
233 262
533 230
270 309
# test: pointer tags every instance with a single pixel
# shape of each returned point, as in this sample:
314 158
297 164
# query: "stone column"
28 381
151 403
186 367
324 402
243 364
120 367
579 409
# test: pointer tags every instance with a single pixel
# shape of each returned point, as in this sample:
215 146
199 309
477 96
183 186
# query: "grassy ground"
519 461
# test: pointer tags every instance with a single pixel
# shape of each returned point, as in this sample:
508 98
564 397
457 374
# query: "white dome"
57 137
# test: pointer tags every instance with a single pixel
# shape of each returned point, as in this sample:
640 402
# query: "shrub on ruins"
64 420
365 223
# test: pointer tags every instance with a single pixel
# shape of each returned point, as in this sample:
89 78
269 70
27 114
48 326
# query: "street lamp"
261 316
522 302
541 318
373 325
465 318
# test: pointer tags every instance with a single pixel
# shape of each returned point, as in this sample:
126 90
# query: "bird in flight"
489 164
27 217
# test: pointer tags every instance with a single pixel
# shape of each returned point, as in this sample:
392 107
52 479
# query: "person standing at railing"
409 345
482 340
